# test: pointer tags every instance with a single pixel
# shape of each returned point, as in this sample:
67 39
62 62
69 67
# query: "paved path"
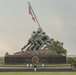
31 69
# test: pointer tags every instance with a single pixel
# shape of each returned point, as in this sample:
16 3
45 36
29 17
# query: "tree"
57 46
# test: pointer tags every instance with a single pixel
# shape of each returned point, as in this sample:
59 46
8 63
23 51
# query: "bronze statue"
38 41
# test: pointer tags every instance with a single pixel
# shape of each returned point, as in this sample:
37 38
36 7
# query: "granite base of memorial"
31 57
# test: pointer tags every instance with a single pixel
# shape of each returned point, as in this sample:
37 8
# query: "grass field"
37 73
37 65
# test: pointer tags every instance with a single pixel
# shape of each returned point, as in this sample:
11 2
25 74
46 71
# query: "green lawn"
37 73
37 64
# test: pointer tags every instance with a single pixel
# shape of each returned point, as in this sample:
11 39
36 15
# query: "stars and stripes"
31 13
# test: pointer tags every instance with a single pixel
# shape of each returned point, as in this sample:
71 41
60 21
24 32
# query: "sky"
56 17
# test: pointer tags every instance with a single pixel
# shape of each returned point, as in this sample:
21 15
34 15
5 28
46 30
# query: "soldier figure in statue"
31 43
44 40
39 32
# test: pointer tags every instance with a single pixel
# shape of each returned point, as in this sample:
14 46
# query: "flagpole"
35 16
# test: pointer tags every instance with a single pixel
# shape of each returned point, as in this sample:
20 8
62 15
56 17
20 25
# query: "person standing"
43 63
35 67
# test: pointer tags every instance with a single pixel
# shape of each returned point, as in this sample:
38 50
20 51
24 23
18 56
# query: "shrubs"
71 60
1 60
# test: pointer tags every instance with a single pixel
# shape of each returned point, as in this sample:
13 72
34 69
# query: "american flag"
31 13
